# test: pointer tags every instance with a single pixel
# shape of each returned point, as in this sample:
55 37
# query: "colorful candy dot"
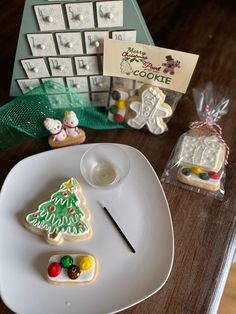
66 261
52 208
197 170
85 262
186 171
204 176
64 193
115 95
71 210
79 224
114 109
121 104
73 272
54 269
214 175
118 117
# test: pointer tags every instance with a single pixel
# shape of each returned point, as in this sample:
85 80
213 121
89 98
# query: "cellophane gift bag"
199 159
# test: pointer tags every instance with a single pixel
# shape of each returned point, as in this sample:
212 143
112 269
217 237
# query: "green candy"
114 109
66 261
204 176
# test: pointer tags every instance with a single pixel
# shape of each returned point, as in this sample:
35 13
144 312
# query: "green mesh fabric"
23 116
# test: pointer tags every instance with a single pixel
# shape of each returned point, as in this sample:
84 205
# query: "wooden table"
204 227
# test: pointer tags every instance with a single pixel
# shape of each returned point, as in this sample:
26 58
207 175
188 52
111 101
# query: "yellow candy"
197 170
121 104
85 262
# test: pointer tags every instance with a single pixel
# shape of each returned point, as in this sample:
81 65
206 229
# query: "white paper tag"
152 65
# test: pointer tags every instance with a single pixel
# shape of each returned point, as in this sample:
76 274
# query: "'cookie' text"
152 76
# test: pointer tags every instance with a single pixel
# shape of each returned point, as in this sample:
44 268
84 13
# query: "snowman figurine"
71 124
55 127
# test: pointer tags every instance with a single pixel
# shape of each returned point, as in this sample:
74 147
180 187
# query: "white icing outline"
203 148
150 110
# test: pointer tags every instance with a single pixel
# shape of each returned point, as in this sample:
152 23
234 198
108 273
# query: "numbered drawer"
53 85
78 84
49 17
94 41
59 101
35 68
126 83
100 83
61 66
69 43
41 45
85 96
28 85
100 57
100 99
86 65
80 99
109 13
80 15
125 35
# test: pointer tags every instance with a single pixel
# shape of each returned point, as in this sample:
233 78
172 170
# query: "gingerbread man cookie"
150 109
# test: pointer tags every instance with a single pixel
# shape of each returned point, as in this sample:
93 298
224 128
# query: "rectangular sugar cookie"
71 268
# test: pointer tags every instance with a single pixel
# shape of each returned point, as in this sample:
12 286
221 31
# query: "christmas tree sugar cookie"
149 109
71 268
63 217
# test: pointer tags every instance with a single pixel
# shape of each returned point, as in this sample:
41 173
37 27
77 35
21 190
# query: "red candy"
71 210
118 117
52 208
54 269
214 175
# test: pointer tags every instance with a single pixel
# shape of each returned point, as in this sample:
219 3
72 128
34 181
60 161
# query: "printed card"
162 67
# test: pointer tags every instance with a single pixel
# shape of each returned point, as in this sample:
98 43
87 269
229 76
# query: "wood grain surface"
228 301
204 227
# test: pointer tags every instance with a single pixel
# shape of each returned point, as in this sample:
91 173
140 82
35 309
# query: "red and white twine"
215 128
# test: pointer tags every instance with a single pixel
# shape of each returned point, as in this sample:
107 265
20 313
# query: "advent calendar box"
62 41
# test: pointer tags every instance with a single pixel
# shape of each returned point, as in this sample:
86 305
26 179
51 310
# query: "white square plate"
124 278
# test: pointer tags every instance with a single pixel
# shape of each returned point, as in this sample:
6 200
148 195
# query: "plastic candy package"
198 160
144 106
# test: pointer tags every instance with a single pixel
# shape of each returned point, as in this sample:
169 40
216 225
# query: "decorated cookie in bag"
149 109
201 154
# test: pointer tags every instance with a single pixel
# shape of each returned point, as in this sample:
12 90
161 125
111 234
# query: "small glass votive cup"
104 165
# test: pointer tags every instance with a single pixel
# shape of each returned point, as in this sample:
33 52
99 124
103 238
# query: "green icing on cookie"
62 213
